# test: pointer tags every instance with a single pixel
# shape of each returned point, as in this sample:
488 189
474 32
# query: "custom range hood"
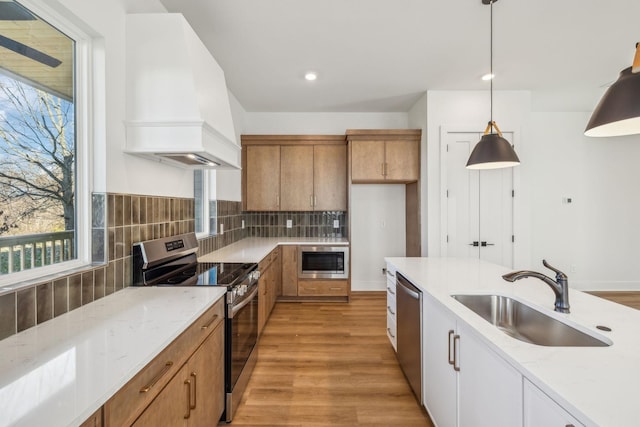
177 101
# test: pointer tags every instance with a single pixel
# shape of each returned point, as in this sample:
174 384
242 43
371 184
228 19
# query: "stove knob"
240 290
255 275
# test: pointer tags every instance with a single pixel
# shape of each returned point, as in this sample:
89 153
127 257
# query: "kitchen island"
61 371
594 384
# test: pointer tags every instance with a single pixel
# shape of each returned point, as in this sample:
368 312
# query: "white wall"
465 110
418 120
594 239
228 182
377 231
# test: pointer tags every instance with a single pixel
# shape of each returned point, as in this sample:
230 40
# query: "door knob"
475 244
486 244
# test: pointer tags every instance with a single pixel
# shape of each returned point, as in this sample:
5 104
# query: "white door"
479 204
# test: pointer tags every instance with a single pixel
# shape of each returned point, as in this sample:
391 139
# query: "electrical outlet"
336 223
242 225
221 228
289 223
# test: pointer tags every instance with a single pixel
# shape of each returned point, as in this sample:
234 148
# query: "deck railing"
24 252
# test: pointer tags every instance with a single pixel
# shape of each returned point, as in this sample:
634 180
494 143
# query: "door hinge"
447 238
447 194
513 238
513 193
447 148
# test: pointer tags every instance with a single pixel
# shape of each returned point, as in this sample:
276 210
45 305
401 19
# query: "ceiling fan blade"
29 52
11 11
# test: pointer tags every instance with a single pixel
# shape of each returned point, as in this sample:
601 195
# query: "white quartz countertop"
598 385
253 249
61 371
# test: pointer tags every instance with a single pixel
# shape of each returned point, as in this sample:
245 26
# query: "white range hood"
177 101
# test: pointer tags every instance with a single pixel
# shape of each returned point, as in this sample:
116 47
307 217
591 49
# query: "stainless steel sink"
524 323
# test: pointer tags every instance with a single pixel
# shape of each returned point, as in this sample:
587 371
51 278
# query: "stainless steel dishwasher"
409 332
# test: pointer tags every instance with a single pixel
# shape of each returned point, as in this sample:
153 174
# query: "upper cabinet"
379 156
294 172
261 174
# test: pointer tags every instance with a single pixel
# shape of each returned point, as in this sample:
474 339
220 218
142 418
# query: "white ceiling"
382 55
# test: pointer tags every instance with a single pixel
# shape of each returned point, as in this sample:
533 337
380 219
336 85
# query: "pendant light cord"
491 62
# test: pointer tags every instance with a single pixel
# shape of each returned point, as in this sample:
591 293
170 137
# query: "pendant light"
493 151
618 112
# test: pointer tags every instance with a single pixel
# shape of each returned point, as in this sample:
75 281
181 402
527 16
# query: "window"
41 153
204 184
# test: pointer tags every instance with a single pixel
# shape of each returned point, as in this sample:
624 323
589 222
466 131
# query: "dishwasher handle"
406 287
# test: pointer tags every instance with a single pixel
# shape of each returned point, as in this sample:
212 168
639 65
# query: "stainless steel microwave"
323 262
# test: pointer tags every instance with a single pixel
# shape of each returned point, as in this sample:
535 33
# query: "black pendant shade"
492 152
618 112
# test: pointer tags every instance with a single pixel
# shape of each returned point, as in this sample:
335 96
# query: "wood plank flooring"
329 364
628 298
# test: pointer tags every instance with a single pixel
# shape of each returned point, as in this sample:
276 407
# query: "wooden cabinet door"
402 160
263 178
289 271
171 405
262 298
330 177
206 373
367 161
296 178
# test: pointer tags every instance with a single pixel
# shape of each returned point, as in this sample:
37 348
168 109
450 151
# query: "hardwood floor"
628 298
328 364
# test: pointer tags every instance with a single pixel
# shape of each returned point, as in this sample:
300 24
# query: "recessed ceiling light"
311 76
488 77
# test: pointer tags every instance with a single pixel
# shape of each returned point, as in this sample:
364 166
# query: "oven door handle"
237 308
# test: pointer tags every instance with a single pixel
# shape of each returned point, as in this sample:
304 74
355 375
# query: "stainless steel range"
172 261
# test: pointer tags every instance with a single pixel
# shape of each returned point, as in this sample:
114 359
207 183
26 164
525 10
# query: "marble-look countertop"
61 371
253 249
598 385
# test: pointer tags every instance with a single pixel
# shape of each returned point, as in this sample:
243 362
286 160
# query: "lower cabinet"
183 385
391 306
323 288
269 285
466 383
94 420
289 270
541 410
195 396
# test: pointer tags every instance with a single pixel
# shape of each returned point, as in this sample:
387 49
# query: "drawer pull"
195 391
449 359
210 322
311 289
336 289
390 311
391 333
155 379
188 414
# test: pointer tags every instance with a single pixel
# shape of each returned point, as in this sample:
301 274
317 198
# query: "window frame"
84 109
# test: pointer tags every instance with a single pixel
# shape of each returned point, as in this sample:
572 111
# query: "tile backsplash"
119 220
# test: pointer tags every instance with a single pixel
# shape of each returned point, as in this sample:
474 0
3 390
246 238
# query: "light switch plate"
242 223
221 228
336 223
289 223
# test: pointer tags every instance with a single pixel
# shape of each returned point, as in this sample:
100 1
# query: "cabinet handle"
449 359
335 289
382 169
311 201
390 311
391 333
195 391
210 323
155 379
456 339
311 289
277 200
390 291
570 425
188 384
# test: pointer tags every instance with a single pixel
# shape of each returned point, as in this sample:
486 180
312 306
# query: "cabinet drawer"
330 288
391 330
125 406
